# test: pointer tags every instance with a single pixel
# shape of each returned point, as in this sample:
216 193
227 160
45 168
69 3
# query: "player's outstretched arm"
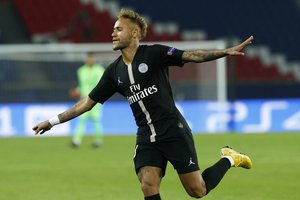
208 55
79 108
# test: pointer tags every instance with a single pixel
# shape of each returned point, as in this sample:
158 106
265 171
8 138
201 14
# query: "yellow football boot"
240 160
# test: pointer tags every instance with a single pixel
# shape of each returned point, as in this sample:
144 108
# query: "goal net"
46 72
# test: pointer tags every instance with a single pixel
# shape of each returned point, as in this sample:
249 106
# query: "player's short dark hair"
135 18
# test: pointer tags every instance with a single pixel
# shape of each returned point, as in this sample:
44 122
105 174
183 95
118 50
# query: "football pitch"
47 168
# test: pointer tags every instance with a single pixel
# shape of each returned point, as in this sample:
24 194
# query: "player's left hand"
237 50
74 93
42 127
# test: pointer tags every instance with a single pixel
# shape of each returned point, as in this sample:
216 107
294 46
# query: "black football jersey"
145 84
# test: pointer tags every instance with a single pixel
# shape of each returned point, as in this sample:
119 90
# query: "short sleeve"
170 56
105 88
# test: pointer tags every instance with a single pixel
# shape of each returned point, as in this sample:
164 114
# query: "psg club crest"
143 68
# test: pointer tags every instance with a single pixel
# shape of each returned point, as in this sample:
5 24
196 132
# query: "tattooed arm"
208 55
79 108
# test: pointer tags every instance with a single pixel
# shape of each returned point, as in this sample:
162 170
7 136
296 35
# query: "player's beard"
121 44
117 47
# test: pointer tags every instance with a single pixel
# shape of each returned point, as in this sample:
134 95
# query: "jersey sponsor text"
142 94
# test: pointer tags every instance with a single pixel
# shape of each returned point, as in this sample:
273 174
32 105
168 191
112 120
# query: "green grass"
47 168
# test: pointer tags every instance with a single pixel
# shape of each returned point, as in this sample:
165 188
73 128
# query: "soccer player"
88 76
141 75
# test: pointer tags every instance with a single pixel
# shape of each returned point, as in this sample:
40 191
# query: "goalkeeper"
88 76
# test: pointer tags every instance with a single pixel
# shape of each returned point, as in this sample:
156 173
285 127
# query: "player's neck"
128 54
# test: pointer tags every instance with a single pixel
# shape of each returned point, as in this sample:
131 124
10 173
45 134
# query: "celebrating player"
141 75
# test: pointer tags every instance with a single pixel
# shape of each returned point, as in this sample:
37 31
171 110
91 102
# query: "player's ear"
135 33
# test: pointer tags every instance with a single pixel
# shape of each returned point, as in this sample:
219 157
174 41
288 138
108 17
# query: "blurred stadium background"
261 89
43 42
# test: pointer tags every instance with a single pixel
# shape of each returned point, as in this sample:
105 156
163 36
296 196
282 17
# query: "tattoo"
79 108
202 55
68 114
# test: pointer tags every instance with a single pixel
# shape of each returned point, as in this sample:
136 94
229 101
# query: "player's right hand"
42 127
